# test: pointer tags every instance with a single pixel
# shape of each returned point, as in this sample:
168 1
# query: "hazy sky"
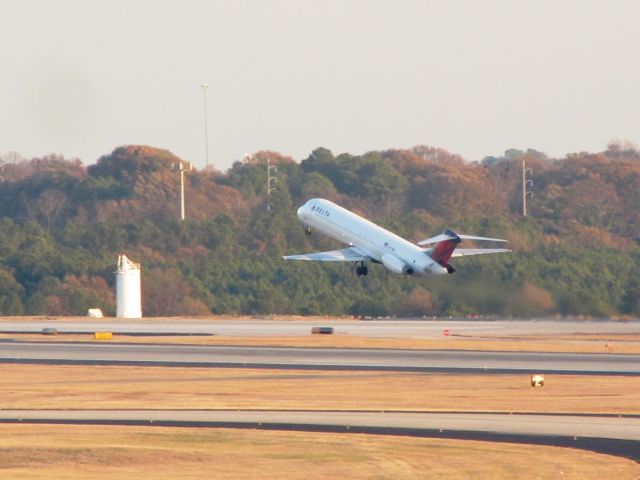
476 77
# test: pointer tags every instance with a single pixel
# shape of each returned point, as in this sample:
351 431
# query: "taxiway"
318 358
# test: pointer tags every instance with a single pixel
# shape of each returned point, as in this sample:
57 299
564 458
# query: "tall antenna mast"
271 182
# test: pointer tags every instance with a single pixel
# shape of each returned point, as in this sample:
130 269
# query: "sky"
476 77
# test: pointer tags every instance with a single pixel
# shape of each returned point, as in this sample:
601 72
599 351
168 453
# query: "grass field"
101 452
104 452
79 386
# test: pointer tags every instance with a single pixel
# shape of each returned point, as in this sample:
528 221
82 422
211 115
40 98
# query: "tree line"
62 225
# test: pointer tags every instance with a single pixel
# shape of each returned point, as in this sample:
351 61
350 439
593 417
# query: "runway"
318 358
419 328
604 433
607 434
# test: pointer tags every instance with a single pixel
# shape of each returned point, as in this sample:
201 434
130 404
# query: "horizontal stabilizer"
471 237
449 235
438 238
350 254
464 252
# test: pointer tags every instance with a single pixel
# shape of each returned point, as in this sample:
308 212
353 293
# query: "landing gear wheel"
361 270
307 230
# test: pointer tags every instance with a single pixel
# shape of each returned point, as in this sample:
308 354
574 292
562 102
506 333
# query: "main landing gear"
361 270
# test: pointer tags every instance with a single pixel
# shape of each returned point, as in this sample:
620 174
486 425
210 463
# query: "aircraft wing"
463 252
349 254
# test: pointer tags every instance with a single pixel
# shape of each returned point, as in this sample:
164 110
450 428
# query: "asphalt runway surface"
606 434
318 358
422 328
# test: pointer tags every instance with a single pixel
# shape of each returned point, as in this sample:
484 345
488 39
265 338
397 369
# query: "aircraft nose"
301 211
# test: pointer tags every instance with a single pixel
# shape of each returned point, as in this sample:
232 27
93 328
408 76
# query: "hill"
577 253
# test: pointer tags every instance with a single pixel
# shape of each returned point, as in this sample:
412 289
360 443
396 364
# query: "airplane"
369 242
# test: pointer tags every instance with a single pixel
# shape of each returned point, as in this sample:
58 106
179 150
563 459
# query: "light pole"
182 169
204 87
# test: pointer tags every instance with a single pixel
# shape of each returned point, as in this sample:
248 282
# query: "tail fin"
443 250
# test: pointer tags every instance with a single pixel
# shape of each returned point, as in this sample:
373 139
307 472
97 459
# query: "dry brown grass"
60 452
106 387
562 343
104 452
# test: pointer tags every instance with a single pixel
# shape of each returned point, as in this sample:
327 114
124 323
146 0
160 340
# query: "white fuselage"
396 253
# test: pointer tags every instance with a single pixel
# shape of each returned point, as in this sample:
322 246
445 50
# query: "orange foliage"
275 158
416 304
167 293
538 297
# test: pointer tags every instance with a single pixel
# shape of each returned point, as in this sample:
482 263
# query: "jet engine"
393 263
